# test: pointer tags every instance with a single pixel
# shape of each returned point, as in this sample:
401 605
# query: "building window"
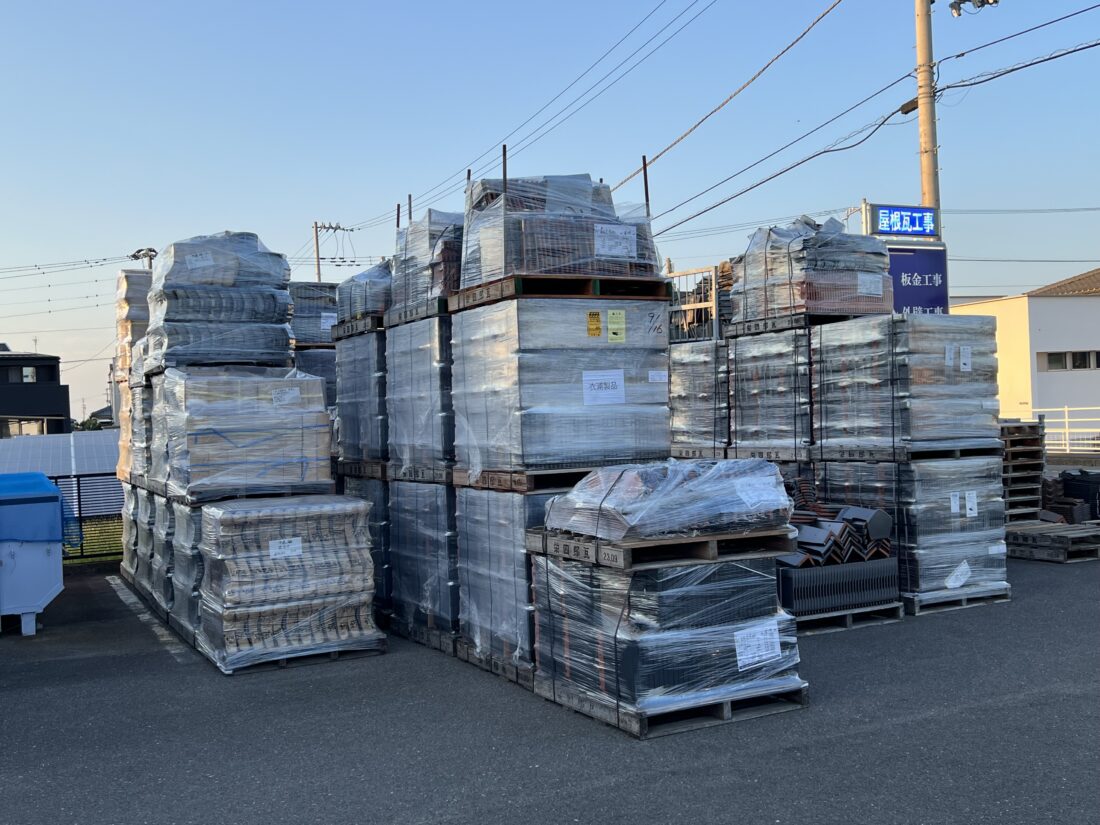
29 375
1056 360
1080 360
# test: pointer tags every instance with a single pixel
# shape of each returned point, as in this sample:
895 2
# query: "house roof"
1087 283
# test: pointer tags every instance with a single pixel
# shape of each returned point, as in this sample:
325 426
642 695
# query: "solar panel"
55 455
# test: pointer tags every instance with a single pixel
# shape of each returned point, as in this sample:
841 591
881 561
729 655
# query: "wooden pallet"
212 496
917 604
561 286
640 554
520 481
150 485
357 326
377 648
650 725
427 475
1046 541
443 640
798 454
522 674
847 619
363 469
901 452
778 323
415 312
306 346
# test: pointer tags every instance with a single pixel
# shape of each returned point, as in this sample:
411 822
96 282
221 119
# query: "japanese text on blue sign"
904 220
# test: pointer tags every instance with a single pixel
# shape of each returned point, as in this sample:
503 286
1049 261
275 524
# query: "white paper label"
616 240
954 502
998 549
199 259
949 355
658 376
958 576
869 284
964 359
282 548
328 321
757 645
603 387
755 492
971 503
286 395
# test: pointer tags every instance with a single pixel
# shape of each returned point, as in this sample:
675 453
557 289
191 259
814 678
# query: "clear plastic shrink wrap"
164 527
137 361
636 501
814 268
361 397
367 293
698 394
129 529
770 390
131 316
949 518
141 430
663 639
551 225
187 566
158 433
322 364
412 259
125 433
914 378
143 558
494 590
544 382
285 577
378 494
420 419
218 299
423 554
314 307
245 430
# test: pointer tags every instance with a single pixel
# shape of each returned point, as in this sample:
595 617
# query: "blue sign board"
920 278
910 221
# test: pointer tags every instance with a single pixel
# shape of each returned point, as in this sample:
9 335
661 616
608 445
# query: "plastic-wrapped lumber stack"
906 413
698 399
131 320
545 387
814 269
678 641
285 577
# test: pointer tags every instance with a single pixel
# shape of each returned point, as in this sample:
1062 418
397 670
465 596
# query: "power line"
730 97
66 329
986 77
1059 210
83 261
1028 260
1017 34
57 270
52 311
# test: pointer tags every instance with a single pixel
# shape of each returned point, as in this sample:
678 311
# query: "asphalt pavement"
989 714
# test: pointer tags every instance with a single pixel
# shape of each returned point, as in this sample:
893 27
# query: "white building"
1048 349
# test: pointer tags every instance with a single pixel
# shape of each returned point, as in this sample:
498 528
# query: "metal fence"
95 501
1071 429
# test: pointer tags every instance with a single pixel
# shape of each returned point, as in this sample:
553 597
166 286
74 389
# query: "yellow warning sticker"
595 327
616 326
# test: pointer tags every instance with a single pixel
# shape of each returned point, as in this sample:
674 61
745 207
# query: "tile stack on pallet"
232 423
313 314
363 439
420 433
1022 469
698 399
655 599
560 359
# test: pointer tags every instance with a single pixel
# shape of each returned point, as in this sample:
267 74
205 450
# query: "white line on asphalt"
163 634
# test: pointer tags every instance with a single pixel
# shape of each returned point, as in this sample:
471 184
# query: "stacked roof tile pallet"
560 360
313 314
238 543
655 598
363 440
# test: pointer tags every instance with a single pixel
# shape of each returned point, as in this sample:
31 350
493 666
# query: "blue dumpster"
31 535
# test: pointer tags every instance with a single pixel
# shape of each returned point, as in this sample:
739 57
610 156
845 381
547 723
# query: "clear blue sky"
135 124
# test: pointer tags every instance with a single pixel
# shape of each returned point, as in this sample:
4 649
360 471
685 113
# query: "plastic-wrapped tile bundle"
285 577
807 267
164 526
637 501
321 363
698 395
125 433
245 430
314 312
361 397
218 299
663 639
536 382
158 434
143 563
883 380
418 393
130 516
378 524
137 361
423 554
367 293
141 430
131 316
770 391
187 566
494 587
412 259
949 518
551 225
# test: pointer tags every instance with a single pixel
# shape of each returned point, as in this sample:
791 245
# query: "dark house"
33 401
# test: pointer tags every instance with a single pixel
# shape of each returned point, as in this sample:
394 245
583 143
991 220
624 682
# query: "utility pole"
317 251
926 108
147 254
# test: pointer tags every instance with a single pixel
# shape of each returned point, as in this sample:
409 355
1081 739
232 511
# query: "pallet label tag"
949 355
616 326
658 376
603 387
615 240
197 260
758 645
595 326
955 503
282 396
958 576
998 549
971 503
283 548
869 284
965 364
